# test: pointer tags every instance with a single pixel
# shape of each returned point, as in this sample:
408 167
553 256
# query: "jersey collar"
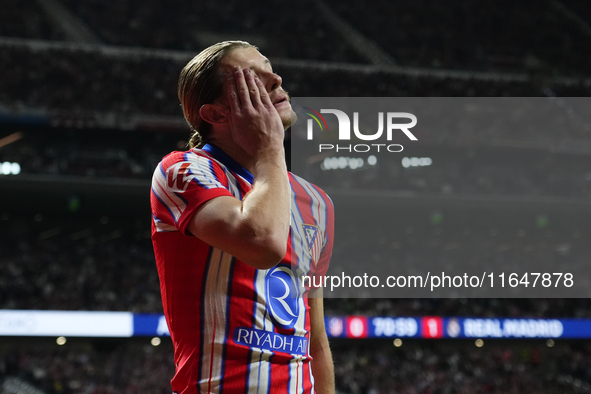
226 160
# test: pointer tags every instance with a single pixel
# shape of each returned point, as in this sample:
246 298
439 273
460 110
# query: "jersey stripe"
205 180
228 293
318 206
167 202
298 238
227 320
251 365
202 337
260 356
222 168
163 205
161 226
216 299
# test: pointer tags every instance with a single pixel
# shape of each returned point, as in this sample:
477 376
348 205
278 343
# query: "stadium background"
88 107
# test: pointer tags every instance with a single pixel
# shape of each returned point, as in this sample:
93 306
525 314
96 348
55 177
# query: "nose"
272 81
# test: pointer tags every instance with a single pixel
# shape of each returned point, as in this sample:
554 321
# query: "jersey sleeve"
326 253
181 184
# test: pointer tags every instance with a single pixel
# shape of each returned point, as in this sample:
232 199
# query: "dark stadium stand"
86 87
577 11
88 80
80 268
105 367
487 35
65 79
97 154
480 307
469 171
27 20
453 170
90 121
437 368
372 368
104 262
294 32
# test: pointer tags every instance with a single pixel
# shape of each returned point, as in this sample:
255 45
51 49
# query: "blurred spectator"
361 367
79 81
487 35
26 19
79 266
435 368
454 170
70 263
291 30
83 370
490 172
88 81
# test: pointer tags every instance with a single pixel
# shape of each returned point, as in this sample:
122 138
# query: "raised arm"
254 230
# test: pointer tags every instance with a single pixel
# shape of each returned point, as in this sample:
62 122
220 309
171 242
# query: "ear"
213 114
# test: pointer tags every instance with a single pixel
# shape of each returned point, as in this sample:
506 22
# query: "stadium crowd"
432 368
374 368
51 263
488 35
122 369
465 172
508 240
77 161
78 268
579 7
75 83
452 170
27 20
87 81
465 37
280 30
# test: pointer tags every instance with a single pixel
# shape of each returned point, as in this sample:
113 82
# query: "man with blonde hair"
233 234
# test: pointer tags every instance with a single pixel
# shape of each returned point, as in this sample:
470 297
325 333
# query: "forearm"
255 228
266 209
322 366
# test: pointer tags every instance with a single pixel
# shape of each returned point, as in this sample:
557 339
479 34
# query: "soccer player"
233 233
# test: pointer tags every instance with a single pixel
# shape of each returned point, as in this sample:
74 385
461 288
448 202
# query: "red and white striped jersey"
235 329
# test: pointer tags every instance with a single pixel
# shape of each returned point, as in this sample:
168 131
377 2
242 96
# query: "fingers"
253 89
242 89
264 96
232 94
245 90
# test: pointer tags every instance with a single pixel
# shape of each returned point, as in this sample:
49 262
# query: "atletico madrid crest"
313 241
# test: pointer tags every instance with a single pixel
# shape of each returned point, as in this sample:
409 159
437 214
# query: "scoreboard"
455 327
127 324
